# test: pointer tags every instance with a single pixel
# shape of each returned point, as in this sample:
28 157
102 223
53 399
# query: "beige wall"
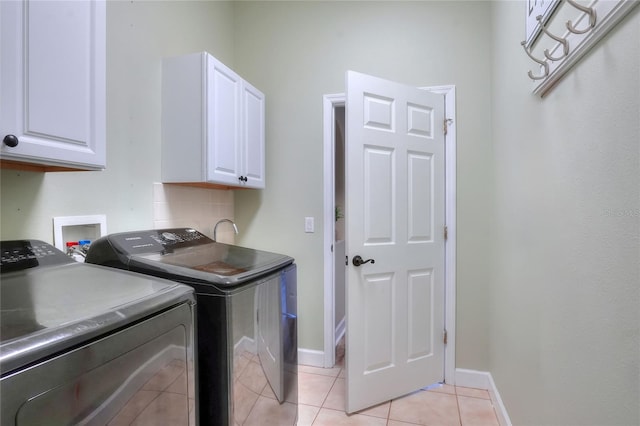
139 34
565 278
298 51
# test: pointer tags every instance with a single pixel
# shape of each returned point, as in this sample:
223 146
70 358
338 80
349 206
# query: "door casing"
330 103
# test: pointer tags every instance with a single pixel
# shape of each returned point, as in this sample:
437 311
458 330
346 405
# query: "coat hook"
592 18
543 63
563 41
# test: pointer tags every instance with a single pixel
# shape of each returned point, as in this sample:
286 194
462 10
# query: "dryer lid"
49 307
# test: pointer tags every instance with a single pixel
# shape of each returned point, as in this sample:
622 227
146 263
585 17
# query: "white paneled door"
395 216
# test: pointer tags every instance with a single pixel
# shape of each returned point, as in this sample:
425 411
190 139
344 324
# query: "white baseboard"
311 357
501 410
484 380
473 378
315 358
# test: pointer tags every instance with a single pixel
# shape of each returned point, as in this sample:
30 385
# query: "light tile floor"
321 394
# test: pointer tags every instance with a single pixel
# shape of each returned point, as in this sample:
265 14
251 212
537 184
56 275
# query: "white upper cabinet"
253 135
52 84
213 124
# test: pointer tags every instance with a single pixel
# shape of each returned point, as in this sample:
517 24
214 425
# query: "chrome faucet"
215 228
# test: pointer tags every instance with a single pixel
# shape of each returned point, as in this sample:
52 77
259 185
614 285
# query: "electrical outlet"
308 224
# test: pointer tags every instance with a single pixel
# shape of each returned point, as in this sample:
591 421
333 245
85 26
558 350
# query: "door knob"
357 261
10 140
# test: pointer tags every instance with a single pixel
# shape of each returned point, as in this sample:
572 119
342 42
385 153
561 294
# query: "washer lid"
47 309
217 263
185 255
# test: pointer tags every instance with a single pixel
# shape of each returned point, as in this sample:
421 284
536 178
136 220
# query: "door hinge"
446 232
445 127
444 337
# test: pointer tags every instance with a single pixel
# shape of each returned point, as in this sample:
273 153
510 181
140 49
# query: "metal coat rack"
561 51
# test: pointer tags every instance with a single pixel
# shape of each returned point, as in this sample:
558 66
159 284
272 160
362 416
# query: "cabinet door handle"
10 140
243 178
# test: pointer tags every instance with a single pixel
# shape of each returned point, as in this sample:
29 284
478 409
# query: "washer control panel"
23 254
179 235
152 241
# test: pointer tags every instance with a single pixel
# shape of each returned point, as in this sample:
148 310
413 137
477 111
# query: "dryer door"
143 372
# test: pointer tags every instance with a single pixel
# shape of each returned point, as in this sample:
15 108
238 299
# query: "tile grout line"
493 408
458 406
325 398
324 401
389 411
315 417
254 403
474 397
389 419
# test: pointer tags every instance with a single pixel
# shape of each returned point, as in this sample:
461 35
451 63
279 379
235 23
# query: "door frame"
330 103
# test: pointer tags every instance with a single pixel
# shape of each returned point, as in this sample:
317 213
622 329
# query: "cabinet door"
223 123
253 130
52 82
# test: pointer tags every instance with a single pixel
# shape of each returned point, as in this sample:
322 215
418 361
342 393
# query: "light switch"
308 224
